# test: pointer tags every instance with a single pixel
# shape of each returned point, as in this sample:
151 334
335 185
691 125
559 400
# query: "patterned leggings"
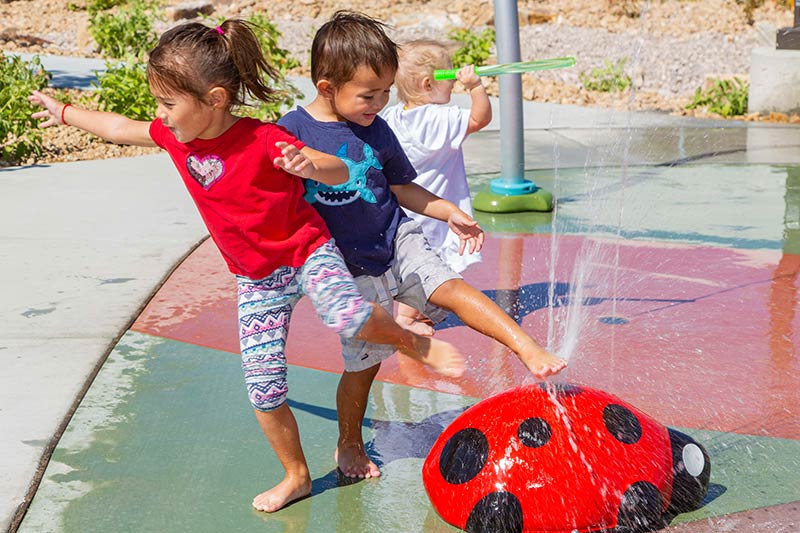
265 308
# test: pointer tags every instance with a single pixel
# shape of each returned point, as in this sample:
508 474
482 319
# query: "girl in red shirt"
244 176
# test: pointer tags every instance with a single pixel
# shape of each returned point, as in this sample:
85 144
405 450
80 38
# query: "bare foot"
420 327
543 364
440 356
353 461
283 493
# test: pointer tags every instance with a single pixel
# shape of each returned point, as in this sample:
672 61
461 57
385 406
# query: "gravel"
671 49
687 65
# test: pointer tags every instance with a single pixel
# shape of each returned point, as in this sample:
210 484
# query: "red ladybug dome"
576 459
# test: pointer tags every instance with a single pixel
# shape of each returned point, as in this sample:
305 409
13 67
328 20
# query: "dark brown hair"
192 58
348 41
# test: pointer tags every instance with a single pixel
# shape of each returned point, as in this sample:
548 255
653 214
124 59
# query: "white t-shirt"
431 136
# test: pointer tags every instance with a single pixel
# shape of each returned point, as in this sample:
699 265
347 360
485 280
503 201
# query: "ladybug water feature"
571 459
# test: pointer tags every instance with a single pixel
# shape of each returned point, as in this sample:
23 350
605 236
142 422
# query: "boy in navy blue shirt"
353 64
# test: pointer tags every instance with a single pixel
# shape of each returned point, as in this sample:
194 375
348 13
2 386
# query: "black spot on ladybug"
640 509
534 432
497 512
463 456
622 424
560 389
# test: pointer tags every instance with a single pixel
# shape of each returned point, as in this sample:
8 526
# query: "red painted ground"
711 340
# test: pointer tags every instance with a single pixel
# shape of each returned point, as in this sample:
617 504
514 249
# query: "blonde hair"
419 59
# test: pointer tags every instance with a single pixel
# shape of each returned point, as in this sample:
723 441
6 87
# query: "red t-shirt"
254 211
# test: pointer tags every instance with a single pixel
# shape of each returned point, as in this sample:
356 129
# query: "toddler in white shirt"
432 133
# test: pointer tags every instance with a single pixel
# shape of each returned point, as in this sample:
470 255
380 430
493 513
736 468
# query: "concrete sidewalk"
86 244
84 247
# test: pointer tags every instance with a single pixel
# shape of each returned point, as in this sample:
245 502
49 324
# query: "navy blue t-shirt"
363 213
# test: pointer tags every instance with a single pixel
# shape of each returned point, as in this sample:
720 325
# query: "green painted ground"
165 441
696 204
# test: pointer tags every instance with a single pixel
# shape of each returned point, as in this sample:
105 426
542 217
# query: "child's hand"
52 111
480 114
467 230
468 78
294 161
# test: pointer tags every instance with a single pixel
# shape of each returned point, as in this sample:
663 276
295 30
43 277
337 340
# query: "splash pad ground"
685 305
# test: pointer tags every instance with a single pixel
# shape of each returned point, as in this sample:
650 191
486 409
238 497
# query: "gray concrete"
774 81
69 72
85 245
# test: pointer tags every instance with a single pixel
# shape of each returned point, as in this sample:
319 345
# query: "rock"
536 15
189 11
22 39
438 20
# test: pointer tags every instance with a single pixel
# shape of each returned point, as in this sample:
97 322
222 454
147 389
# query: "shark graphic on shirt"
351 190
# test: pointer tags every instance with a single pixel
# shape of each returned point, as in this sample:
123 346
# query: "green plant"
475 48
95 6
19 135
127 31
285 92
611 77
123 89
726 97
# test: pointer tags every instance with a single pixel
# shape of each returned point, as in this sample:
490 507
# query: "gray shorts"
416 273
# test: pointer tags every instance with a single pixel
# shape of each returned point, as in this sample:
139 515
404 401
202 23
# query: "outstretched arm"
418 199
110 126
311 164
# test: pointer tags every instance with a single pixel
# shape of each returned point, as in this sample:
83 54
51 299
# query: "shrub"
611 77
726 97
475 48
95 6
20 136
127 31
123 89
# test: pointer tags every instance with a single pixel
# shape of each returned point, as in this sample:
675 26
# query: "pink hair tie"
220 30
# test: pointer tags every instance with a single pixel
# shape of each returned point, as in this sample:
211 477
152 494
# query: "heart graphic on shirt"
206 170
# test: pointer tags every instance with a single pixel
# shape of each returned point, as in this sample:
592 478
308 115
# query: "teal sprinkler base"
513 197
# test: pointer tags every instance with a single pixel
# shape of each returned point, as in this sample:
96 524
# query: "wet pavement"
667 275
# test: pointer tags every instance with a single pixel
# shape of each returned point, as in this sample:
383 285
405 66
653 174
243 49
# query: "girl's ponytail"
192 57
246 53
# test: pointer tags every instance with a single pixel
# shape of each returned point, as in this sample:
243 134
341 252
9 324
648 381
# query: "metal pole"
511 192
796 14
512 153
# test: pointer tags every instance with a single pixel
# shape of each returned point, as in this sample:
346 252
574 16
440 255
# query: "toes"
368 471
263 505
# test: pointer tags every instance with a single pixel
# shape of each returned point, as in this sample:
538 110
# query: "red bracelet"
64 122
